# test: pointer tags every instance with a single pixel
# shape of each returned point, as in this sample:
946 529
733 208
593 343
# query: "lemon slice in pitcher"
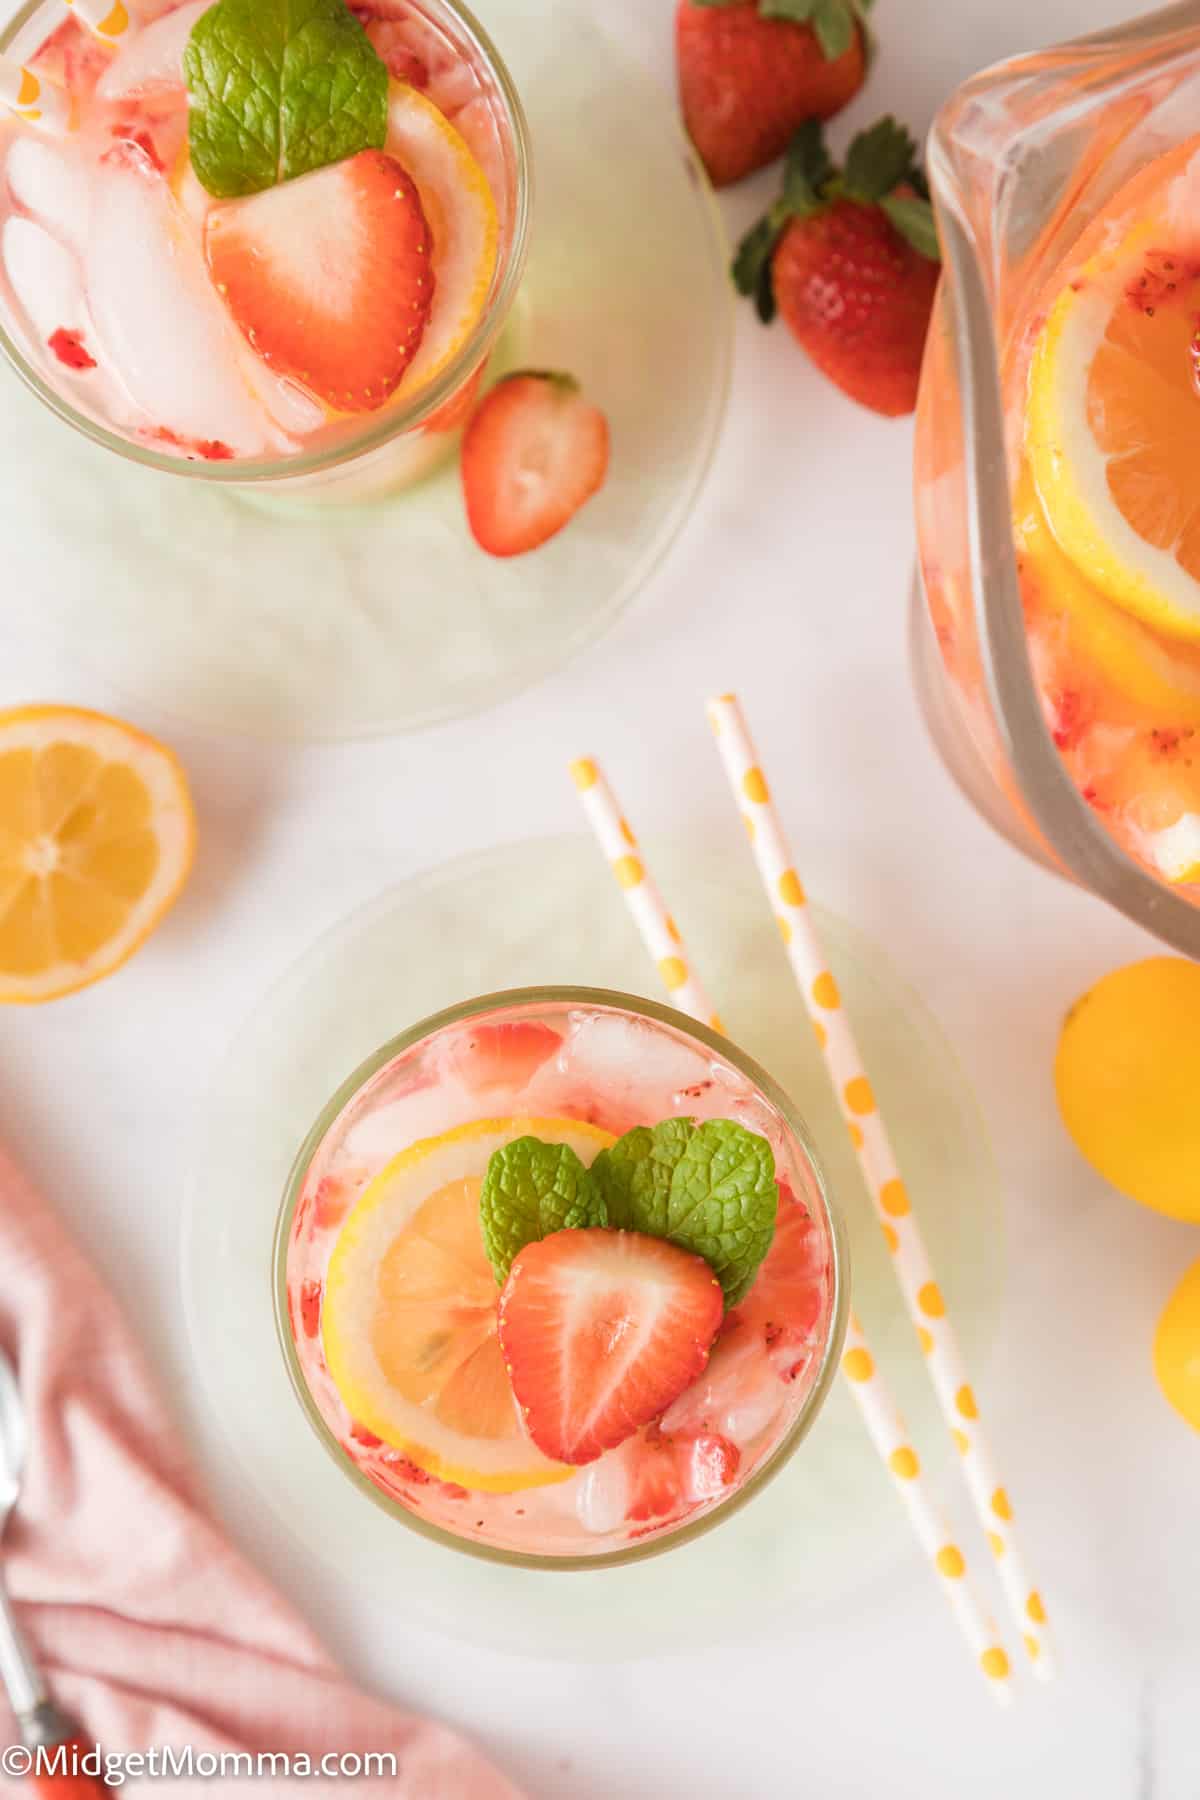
1112 424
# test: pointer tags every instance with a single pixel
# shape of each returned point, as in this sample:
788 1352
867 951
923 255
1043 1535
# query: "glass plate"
830 1522
338 624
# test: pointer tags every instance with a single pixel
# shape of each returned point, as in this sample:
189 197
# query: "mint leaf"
913 219
722 1203
278 88
634 1175
708 1188
531 1190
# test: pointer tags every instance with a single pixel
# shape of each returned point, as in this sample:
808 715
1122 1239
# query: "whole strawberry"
752 71
849 258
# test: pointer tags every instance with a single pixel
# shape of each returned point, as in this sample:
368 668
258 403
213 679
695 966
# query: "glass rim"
267 472
613 1000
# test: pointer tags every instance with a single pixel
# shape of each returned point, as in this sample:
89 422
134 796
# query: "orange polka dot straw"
659 932
914 1272
107 19
662 938
36 101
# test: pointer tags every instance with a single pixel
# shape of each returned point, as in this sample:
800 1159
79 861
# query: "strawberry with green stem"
849 258
752 71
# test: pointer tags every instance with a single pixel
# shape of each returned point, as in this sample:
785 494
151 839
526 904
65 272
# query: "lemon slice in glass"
409 1320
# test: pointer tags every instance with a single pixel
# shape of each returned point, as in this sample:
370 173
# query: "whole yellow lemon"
1127 1074
1177 1348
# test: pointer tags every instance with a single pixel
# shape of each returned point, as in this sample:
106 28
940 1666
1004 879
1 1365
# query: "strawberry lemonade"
271 241
557 1279
1102 392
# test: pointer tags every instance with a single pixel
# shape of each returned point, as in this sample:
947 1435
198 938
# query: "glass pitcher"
1022 160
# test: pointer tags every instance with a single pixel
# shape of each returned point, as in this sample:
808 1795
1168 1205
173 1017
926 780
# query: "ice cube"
51 184
602 1492
193 197
1175 851
387 1130
45 277
739 1394
165 331
615 1057
292 409
152 59
476 124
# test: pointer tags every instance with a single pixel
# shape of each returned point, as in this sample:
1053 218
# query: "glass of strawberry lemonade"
557 1280
265 243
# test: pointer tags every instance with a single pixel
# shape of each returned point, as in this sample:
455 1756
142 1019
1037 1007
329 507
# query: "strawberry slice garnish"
600 1331
532 455
329 276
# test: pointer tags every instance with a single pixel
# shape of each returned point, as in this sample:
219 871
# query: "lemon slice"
462 217
1156 677
409 1320
96 839
1112 422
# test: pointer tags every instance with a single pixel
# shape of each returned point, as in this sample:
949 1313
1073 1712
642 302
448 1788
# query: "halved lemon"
409 1320
96 839
1113 420
458 204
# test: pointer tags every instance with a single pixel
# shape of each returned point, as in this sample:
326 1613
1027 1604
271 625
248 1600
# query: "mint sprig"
706 1188
531 1190
279 88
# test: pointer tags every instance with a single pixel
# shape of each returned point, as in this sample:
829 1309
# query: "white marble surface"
775 588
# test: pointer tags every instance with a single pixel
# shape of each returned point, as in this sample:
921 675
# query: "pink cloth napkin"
151 1627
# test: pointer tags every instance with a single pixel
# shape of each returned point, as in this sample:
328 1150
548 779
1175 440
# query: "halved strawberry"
329 276
532 455
600 1331
503 1055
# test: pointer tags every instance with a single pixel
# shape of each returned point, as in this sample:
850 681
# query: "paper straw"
910 1259
890 1438
37 102
105 19
860 1369
659 930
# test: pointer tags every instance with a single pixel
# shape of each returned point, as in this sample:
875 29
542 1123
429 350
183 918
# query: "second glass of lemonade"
427 1423
322 338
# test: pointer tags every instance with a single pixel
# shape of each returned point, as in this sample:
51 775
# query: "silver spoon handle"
23 1681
